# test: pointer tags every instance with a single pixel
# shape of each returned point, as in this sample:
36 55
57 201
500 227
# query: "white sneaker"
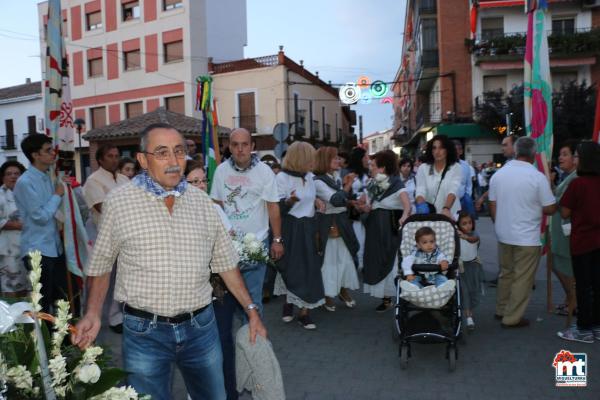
470 324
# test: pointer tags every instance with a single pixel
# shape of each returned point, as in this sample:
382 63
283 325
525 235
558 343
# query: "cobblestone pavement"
352 354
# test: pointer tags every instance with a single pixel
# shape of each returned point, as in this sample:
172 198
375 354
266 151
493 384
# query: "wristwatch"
278 240
252 306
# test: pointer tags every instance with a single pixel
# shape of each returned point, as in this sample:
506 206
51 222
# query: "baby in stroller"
426 252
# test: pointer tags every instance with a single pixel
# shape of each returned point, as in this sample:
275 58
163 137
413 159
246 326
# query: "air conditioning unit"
40 125
590 3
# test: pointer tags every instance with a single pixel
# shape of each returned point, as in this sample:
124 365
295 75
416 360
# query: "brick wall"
453 28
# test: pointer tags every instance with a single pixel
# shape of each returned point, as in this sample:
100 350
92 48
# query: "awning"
468 130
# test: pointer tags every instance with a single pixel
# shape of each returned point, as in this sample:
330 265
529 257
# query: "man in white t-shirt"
519 195
247 190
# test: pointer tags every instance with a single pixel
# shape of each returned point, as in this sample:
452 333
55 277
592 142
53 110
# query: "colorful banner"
210 137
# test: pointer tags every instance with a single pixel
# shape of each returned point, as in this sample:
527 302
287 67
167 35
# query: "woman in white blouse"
358 164
299 277
336 241
438 179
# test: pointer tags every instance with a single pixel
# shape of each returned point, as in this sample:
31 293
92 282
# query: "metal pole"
360 129
80 155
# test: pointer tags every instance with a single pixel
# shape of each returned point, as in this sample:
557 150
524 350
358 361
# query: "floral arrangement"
249 248
36 365
377 186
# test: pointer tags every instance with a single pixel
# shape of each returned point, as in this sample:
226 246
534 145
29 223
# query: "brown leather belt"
177 319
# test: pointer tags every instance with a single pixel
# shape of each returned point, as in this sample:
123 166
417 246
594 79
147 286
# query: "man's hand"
444 265
255 326
59 189
277 251
87 330
410 278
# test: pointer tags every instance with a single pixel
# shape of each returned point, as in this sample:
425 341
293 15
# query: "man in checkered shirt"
168 238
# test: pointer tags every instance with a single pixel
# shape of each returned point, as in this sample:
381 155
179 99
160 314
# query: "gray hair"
146 132
525 147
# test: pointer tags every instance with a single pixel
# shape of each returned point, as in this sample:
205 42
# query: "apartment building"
445 69
129 57
258 93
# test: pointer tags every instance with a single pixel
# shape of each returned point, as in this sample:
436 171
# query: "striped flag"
58 111
538 90
210 138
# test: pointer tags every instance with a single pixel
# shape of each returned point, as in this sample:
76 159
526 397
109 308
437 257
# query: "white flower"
58 370
61 326
89 373
90 354
249 238
120 393
20 377
254 247
35 276
380 178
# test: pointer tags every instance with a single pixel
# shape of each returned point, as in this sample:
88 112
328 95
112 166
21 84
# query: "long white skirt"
386 287
359 231
280 290
338 268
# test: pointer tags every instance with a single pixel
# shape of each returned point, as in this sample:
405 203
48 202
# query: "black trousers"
586 268
55 283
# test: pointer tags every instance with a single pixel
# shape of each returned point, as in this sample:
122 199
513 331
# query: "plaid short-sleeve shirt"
164 260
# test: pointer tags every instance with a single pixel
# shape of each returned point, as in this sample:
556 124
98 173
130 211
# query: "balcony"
427 7
246 121
327 133
511 46
7 142
426 69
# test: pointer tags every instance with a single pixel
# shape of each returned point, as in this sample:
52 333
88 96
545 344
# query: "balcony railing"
7 142
327 133
315 129
246 121
581 41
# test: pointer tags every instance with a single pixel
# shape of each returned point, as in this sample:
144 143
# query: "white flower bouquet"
250 250
36 365
377 186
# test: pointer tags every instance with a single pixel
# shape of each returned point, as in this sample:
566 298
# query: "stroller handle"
431 267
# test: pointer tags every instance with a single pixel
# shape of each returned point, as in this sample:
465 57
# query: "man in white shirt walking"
519 195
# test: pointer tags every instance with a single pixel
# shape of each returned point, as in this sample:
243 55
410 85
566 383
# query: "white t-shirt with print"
520 191
245 195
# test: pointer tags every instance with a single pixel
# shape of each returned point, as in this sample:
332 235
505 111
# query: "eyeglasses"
165 154
197 181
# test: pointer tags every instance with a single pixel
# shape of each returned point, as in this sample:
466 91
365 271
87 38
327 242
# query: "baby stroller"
440 323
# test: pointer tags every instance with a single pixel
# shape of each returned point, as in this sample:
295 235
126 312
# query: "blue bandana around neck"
253 161
145 182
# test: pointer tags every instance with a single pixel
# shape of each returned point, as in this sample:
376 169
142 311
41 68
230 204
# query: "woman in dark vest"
388 207
336 241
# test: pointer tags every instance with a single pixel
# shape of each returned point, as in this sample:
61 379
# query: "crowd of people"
162 249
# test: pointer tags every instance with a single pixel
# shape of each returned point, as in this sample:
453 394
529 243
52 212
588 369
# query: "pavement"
352 354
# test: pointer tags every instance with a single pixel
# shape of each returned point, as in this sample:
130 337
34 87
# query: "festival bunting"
210 138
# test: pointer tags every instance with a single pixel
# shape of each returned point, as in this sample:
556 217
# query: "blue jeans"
224 310
150 348
438 279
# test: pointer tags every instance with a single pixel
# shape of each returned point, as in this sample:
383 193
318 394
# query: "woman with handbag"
387 209
336 241
438 179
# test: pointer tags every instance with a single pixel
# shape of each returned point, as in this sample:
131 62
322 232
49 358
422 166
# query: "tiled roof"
132 127
15 92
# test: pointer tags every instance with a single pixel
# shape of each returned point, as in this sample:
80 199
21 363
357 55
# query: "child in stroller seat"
425 252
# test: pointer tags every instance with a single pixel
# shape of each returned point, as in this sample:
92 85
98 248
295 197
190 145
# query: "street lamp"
79 123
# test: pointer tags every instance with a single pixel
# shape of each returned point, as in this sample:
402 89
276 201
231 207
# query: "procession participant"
167 240
127 167
387 209
358 165
519 194
336 243
300 278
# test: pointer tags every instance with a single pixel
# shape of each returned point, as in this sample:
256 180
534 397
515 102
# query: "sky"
342 39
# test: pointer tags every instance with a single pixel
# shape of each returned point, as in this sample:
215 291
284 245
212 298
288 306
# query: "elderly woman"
561 253
438 179
13 275
387 209
300 268
336 242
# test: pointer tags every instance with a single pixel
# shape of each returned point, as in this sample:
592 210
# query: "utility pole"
360 129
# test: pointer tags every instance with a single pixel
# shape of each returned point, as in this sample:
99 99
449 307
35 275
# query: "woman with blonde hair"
336 241
300 268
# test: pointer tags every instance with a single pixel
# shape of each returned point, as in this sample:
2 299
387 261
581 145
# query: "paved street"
352 354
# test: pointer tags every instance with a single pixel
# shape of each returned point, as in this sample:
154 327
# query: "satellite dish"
280 148
281 131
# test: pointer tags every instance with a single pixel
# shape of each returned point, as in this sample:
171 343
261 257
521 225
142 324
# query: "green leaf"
109 378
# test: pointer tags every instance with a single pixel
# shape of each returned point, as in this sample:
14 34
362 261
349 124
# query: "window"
492 28
315 128
172 4
247 111
9 140
31 124
175 104
173 51
93 20
494 83
95 67
327 132
134 109
130 10
98 117
132 60
301 127
563 26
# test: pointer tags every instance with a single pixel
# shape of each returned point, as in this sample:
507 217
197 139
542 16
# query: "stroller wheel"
404 356
452 355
